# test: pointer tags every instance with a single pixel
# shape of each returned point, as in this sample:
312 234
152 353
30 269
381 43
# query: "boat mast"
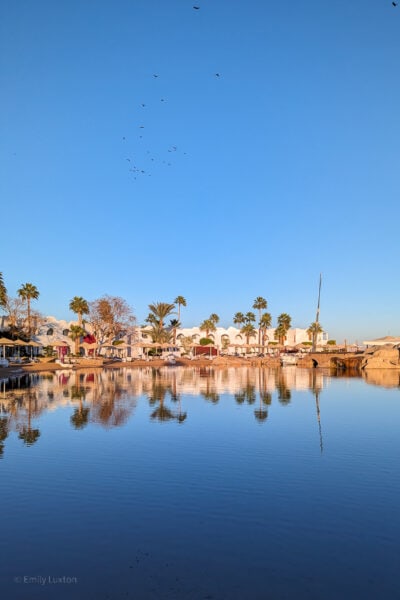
314 346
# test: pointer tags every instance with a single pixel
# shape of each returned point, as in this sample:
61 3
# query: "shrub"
206 341
331 343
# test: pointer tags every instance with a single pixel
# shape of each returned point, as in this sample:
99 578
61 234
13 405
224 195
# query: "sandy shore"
218 362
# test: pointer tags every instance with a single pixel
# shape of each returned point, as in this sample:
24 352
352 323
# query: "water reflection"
109 398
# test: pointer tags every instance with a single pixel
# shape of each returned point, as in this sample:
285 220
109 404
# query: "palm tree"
249 331
284 322
180 301
3 292
214 318
239 318
313 331
265 322
75 333
80 307
260 304
28 292
159 311
249 317
174 324
207 325
280 334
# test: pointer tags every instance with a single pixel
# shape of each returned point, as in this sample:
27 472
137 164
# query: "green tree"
159 311
260 304
280 334
214 318
249 317
284 322
3 293
174 325
249 331
313 331
28 292
80 307
239 318
207 325
180 301
75 333
265 323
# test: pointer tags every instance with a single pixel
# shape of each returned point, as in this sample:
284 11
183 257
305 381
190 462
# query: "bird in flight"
217 75
155 75
142 105
395 3
196 7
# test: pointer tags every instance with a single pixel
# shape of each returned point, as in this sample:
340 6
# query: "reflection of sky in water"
200 483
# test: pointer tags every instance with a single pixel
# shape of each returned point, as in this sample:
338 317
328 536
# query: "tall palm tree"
313 331
3 292
214 318
239 318
80 307
249 317
249 331
159 311
265 322
260 304
207 325
28 292
174 324
180 301
75 333
284 322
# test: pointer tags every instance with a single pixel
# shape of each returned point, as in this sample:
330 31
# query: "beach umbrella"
5 342
88 346
32 345
19 343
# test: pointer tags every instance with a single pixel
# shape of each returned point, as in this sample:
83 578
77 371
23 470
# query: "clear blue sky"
283 166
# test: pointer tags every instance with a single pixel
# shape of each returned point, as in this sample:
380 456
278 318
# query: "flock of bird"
134 167
137 163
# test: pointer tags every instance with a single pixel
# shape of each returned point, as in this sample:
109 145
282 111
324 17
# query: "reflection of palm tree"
261 414
210 393
284 393
240 397
3 433
157 394
29 435
80 417
81 414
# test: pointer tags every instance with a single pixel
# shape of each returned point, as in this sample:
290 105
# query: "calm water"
200 484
